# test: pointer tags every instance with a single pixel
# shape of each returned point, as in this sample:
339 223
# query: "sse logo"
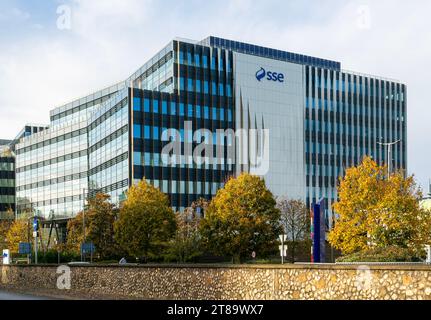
270 76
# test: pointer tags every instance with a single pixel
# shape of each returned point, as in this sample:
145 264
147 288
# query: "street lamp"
389 146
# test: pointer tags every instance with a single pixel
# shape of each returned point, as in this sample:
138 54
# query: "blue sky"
42 66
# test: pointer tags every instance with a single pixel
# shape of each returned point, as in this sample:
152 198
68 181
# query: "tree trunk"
237 259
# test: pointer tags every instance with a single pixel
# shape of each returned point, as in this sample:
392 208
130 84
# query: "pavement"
5 295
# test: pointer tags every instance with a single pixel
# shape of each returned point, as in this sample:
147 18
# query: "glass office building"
320 120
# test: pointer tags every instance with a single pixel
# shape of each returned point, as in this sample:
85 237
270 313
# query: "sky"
47 59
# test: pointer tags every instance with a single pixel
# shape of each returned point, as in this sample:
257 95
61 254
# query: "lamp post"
389 145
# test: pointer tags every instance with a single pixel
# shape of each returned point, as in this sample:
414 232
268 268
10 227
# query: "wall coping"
371 266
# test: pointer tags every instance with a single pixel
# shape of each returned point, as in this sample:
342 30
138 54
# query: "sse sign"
269 75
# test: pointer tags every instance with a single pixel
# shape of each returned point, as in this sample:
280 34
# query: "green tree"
295 221
187 245
99 227
242 218
375 210
146 222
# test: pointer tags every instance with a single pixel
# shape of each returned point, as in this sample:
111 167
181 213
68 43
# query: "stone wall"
209 282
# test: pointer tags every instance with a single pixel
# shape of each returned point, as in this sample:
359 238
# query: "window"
206 87
147 159
214 113
197 60
229 114
147 105
190 85
206 112
164 107
156 106
198 86
182 109
147 132
137 131
205 61
173 109
137 104
137 160
228 90
190 111
198 111
156 133
221 89
156 159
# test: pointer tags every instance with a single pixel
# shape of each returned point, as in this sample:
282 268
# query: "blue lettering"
270 76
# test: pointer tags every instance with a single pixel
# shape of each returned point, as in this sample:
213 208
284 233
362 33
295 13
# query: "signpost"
428 250
25 248
318 232
283 247
88 248
35 230
6 256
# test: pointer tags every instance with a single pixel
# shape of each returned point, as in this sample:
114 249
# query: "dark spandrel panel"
271 53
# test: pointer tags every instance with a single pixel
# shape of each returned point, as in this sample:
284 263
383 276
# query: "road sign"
282 238
6 256
283 251
35 224
24 248
88 248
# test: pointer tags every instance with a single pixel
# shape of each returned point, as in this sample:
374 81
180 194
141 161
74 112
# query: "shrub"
388 254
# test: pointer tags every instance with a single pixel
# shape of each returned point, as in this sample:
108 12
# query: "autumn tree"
187 245
146 222
241 218
295 222
4 229
19 231
375 210
100 216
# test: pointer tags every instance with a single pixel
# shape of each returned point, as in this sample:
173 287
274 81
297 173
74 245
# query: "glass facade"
7 180
110 139
202 94
346 116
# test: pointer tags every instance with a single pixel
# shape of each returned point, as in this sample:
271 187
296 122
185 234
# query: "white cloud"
109 39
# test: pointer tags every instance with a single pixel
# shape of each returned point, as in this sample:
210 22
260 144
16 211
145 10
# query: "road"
4 295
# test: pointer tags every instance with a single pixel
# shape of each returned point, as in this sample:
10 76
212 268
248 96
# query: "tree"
375 210
186 245
295 221
146 222
241 218
99 227
18 232
5 225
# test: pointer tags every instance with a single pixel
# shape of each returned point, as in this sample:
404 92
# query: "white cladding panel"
279 107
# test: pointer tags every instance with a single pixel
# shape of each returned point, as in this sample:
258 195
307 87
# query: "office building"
320 120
